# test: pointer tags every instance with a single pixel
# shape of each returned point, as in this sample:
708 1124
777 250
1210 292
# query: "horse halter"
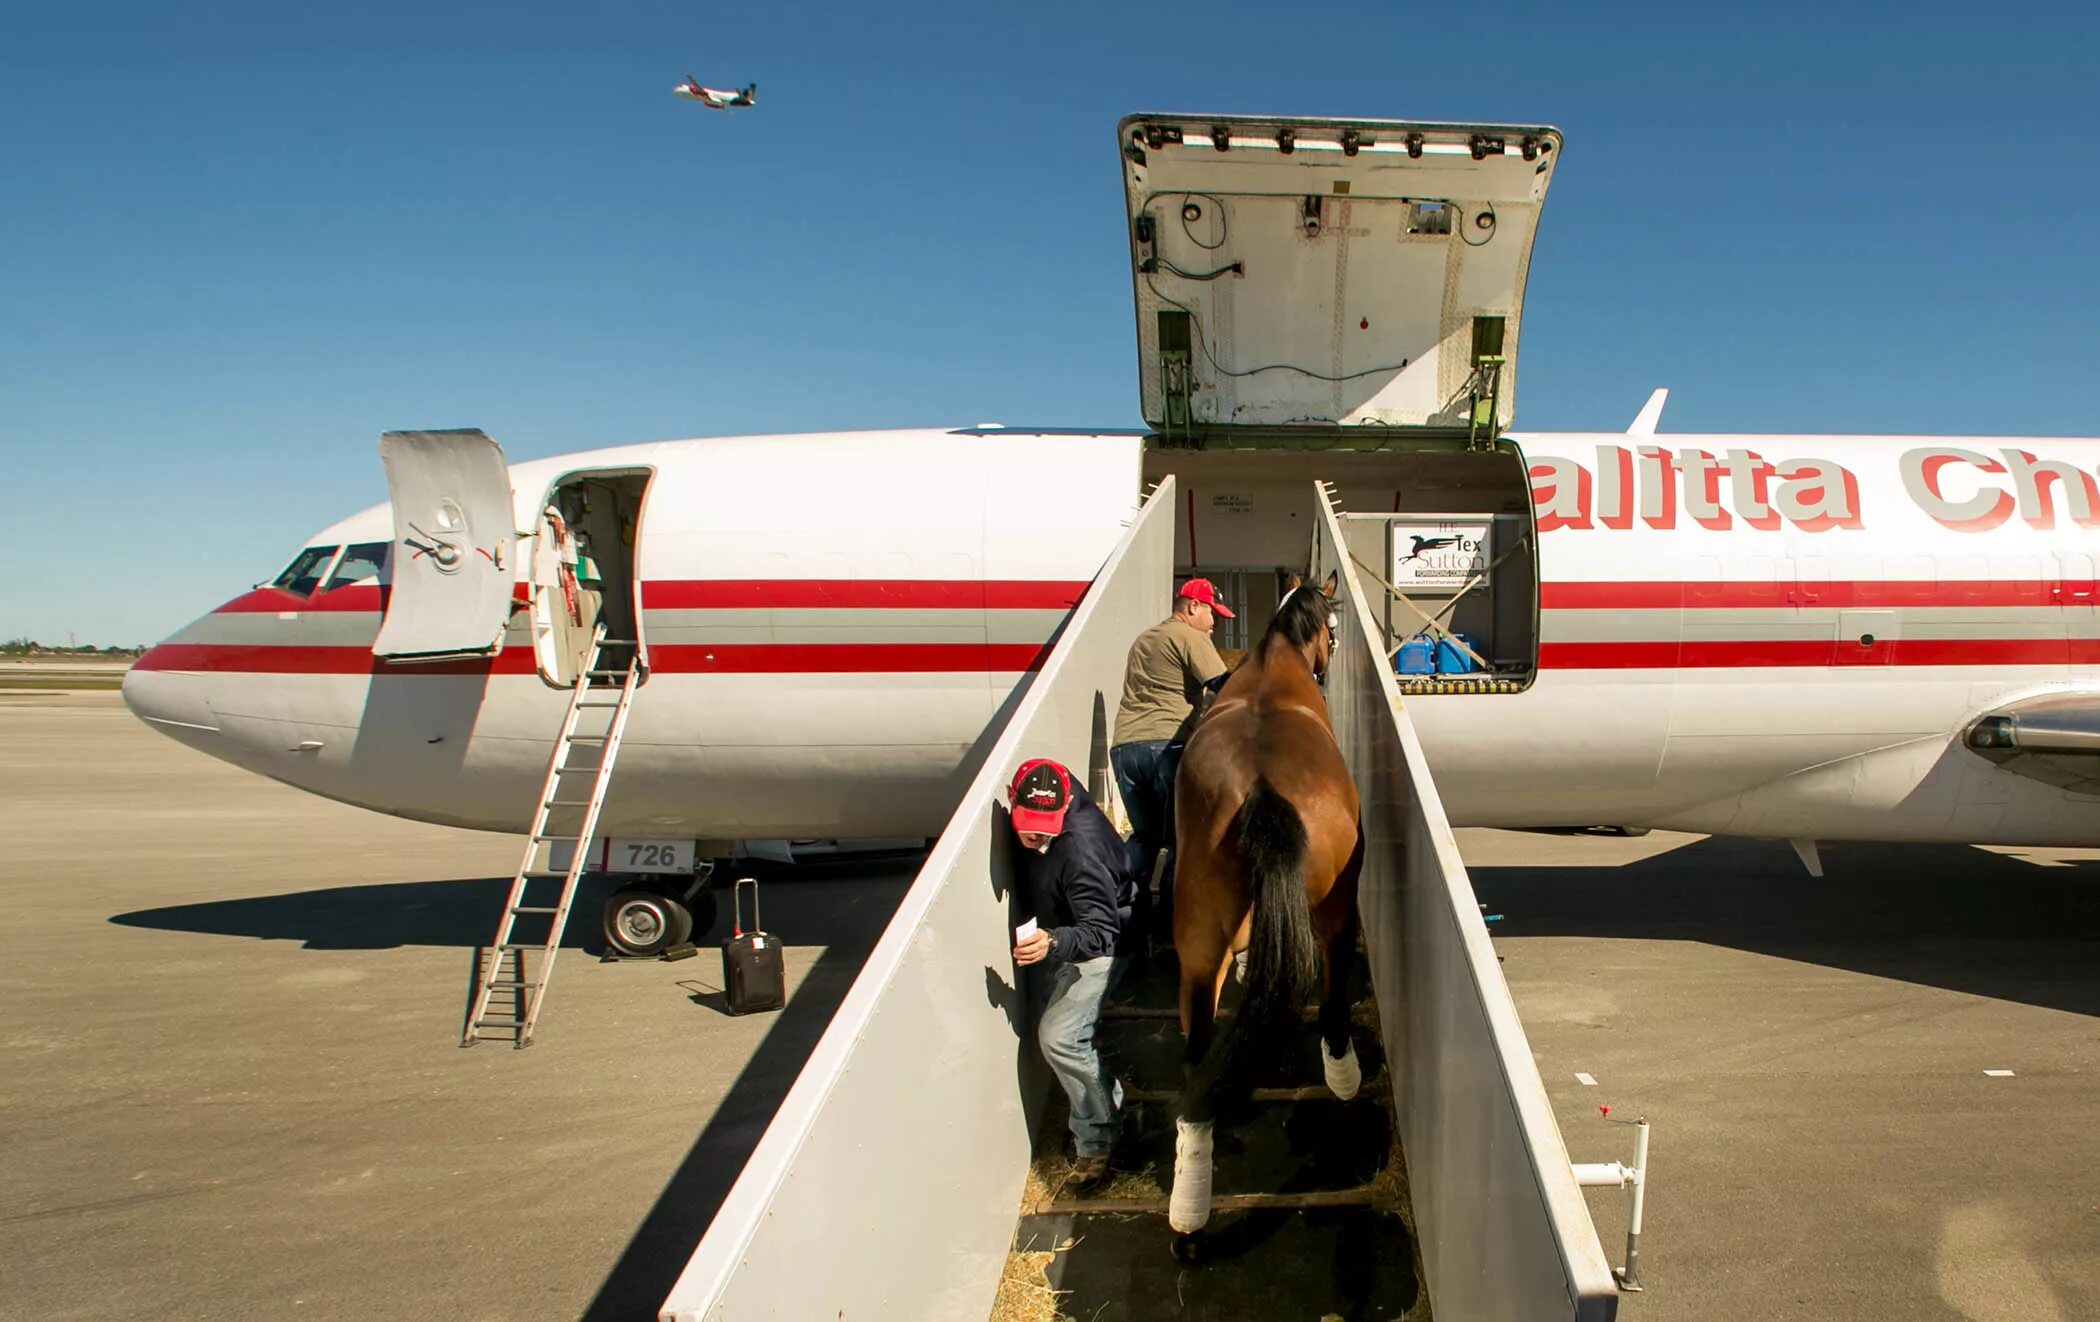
1334 617
1334 628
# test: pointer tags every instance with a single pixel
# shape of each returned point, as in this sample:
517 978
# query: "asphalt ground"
45 675
230 1078
1811 1055
230 1085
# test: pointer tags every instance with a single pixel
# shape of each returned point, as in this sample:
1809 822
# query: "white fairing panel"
452 575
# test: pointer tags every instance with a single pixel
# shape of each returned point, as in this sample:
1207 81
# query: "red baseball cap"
1041 793
1205 591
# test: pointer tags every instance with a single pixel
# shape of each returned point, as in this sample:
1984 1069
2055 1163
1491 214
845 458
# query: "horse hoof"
1188 1249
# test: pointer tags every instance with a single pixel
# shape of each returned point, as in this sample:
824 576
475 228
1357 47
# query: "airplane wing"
2051 737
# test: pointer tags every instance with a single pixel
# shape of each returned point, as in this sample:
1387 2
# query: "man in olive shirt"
1169 665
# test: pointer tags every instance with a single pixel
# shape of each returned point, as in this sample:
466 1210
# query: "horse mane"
1299 618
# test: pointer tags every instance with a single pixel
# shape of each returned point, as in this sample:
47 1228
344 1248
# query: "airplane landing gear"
646 918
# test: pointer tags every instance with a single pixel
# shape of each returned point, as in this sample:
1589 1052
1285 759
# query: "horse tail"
1283 953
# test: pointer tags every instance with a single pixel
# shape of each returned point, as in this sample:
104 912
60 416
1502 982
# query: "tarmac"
1815 1058
55 674
232 1085
233 1080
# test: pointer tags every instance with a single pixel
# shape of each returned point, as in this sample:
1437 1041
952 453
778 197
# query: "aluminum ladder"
505 966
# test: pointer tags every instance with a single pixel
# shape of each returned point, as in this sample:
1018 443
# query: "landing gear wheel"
695 893
643 923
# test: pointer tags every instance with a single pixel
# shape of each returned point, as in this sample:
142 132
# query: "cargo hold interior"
1444 534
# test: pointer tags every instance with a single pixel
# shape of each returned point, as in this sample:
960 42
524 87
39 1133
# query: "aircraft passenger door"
451 591
583 567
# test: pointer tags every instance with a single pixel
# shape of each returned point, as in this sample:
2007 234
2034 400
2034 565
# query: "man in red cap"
1169 666
1072 885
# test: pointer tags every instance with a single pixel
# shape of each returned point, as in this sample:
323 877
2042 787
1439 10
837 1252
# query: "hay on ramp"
1025 1293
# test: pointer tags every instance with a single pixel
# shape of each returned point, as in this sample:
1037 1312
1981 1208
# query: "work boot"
1086 1173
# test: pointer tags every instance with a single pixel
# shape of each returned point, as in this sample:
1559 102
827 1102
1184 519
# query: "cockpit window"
303 575
361 563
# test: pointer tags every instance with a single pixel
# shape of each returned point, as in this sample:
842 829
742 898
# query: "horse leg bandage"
1188 1207
1344 1077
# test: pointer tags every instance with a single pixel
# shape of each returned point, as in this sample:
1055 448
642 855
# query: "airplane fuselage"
1776 636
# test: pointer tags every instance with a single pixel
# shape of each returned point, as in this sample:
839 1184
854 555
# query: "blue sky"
238 241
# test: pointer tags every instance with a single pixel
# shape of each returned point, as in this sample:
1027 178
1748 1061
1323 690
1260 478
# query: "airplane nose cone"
175 703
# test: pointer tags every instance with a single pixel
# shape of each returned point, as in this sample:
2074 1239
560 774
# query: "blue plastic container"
1417 656
1451 661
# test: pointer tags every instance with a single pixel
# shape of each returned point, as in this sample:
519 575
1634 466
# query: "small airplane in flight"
714 98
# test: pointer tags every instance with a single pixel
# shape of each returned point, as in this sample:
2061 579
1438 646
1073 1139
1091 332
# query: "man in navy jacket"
1073 882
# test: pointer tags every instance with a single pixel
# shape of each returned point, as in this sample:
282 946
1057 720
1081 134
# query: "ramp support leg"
1629 1278
1612 1175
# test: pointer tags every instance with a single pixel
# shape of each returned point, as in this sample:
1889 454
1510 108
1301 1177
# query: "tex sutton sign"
1439 556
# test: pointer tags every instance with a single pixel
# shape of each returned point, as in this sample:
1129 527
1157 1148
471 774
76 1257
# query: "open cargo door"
1296 275
452 578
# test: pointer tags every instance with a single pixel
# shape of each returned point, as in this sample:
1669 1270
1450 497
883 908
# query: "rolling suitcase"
753 975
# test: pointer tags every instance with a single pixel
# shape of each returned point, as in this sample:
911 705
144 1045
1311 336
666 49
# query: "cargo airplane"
716 98
1800 637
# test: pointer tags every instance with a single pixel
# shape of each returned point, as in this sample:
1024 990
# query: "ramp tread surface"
1309 1202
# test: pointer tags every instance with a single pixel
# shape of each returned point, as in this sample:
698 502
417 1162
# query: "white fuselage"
835 625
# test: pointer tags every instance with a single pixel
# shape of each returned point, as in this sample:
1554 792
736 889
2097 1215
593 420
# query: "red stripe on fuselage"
859 593
971 594
1016 658
1818 654
1894 594
673 659
278 660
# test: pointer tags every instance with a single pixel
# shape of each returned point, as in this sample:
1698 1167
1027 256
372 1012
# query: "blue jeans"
1070 995
1145 781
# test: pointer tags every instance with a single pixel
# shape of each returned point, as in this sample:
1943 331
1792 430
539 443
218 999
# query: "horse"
1271 844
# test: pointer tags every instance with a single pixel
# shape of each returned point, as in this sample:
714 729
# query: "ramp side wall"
887 1183
1505 1232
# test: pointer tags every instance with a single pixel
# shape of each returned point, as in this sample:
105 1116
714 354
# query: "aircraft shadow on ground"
812 904
842 905
649 1265
381 916
855 914
1938 915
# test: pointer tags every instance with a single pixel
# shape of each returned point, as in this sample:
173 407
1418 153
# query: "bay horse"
1270 845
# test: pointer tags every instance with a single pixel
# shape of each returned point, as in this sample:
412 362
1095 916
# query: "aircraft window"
303 575
361 562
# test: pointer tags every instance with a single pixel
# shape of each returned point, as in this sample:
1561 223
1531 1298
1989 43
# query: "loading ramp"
889 1181
1309 1194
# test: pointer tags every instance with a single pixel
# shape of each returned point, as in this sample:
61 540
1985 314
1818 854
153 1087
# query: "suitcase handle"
736 905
